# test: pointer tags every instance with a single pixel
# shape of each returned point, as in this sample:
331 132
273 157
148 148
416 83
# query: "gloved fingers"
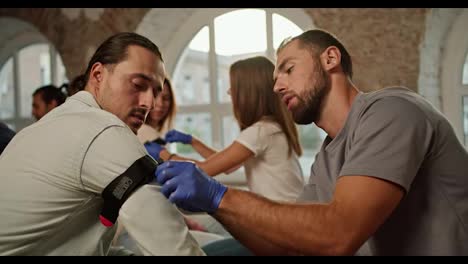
182 200
148 145
181 166
177 196
169 187
161 172
171 169
171 138
186 205
171 135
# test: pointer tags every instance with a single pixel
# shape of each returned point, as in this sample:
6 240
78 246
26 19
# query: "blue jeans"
226 247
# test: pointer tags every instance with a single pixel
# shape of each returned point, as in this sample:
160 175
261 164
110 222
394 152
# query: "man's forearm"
291 229
254 243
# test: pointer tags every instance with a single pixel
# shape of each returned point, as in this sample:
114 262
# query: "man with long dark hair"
66 178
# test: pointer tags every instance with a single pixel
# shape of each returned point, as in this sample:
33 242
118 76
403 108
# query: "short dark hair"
318 40
51 93
115 49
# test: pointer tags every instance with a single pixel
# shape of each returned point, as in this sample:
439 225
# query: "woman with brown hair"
159 120
268 145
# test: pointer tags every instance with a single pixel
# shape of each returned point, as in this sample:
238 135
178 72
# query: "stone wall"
76 32
384 43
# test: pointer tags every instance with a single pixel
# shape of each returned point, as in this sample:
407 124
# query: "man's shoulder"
83 106
397 106
82 116
391 92
395 99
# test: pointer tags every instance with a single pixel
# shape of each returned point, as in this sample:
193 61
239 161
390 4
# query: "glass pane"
238 35
311 138
198 125
230 130
283 28
465 71
191 78
60 71
11 126
465 118
34 72
7 99
240 32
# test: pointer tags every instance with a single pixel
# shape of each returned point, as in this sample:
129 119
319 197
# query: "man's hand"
176 136
187 186
154 149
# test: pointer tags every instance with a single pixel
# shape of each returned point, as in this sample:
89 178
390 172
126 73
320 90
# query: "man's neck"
337 105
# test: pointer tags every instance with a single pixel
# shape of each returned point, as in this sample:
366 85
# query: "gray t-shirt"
396 135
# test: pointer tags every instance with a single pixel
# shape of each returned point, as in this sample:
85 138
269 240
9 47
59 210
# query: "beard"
139 113
308 110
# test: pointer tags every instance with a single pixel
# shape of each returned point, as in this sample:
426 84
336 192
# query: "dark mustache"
139 112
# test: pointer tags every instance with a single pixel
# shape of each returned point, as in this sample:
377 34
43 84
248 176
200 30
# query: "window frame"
205 17
17 120
217 109
453 89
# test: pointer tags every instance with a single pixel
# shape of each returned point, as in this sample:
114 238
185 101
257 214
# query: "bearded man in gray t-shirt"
391 177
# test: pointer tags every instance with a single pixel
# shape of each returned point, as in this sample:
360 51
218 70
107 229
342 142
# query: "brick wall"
384 43
73 33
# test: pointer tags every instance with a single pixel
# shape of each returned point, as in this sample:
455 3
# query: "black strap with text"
117 192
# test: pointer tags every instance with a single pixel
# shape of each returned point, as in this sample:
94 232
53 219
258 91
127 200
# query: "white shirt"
271 172
52 175
148 133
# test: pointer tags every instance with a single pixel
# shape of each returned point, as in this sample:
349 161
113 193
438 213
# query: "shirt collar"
86 98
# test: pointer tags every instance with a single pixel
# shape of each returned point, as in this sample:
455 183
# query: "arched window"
201 76
464 94
20 75
455 77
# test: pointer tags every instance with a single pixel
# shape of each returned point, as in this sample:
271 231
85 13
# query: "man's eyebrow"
158 88
283 63
281 68
143 76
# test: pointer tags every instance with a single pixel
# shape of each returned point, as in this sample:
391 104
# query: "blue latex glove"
177 136
154 149
187 186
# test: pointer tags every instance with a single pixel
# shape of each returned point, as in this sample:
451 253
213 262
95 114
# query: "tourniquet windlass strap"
117 192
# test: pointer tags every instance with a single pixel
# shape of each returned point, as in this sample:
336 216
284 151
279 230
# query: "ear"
53 104
96 75
330 58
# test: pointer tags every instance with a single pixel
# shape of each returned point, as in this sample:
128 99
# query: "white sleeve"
110 154
253 138
150 219
156 225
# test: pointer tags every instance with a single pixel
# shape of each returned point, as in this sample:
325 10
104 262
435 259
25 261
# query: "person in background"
6 134
45 99
158 122
268 145
390 178
160 119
